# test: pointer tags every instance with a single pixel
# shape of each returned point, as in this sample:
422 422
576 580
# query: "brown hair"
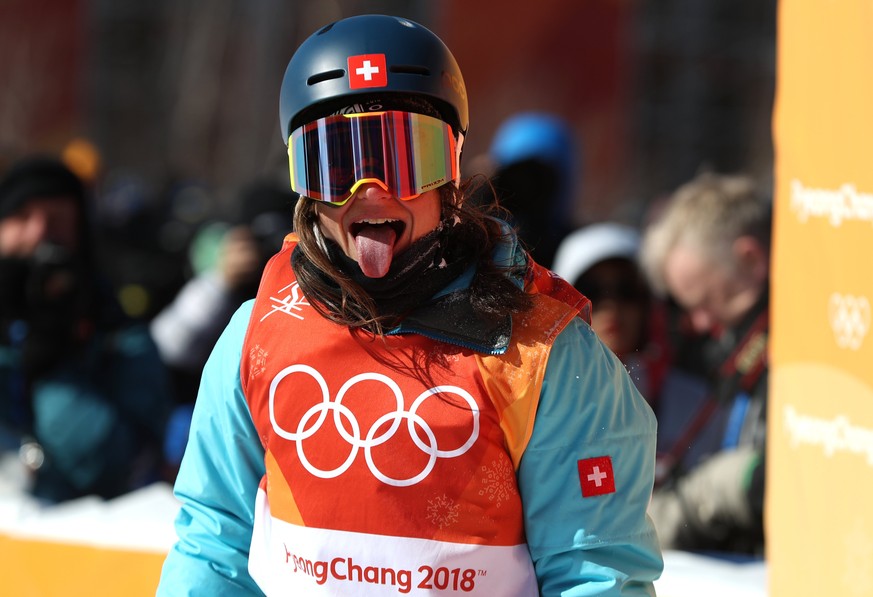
493 292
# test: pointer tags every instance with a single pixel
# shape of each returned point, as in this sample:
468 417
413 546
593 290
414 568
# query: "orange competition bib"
390 460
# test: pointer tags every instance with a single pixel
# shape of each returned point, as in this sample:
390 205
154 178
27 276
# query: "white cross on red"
367 70
597 476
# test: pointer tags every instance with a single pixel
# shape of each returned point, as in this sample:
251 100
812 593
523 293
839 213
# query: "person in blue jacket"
410 404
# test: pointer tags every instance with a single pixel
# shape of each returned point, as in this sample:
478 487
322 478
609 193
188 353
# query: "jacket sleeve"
217 481
100 411
186 329
603 544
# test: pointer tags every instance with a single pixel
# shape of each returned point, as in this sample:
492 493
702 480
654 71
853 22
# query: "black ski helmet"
318 80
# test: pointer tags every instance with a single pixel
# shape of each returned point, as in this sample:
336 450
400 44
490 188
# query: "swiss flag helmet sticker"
595 476
367 70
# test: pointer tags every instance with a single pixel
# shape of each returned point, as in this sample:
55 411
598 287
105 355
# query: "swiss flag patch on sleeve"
595 476
367 70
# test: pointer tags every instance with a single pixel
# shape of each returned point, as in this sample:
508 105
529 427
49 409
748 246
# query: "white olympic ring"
850 319
353 436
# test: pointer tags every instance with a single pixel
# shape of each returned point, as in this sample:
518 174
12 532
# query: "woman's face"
619 304
374 226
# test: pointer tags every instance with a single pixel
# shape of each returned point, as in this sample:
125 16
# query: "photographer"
188 327
83 395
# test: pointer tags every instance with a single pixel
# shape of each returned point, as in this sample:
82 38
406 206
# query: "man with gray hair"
709 249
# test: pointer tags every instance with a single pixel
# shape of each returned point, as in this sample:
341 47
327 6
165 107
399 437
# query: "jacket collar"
449 316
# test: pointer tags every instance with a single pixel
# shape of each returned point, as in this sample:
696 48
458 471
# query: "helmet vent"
409 69
326 76
325 29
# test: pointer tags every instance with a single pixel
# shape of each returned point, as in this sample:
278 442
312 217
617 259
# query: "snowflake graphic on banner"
498 482
442 511
858 571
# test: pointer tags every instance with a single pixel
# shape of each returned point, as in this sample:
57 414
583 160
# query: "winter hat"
534 135
590 245
539 146
37 177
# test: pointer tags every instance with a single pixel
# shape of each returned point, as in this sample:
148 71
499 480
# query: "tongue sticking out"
375 246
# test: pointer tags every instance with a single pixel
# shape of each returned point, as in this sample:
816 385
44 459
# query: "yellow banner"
49 568
820 465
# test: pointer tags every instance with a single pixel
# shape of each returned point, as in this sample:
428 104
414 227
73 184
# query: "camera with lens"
40 301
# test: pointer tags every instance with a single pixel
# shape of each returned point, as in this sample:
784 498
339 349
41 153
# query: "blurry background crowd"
583 114
178 99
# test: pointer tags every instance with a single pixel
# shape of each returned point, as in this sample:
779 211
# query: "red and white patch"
595 476
367 70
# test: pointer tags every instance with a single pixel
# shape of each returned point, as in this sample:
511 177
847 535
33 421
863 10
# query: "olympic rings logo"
850 319
313 419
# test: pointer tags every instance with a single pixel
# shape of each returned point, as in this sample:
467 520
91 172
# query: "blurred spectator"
227 260
709 248
531 163
83 394
145 229
601 261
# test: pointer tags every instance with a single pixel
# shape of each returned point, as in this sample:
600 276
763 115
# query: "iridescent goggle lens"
403 152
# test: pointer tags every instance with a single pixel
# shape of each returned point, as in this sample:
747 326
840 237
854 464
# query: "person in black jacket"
83 394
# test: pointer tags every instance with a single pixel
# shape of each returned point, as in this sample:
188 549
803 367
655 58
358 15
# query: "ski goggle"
405 153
